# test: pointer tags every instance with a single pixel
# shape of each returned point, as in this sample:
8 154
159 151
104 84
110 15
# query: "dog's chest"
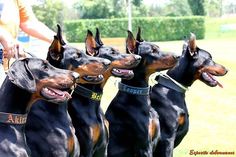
130 110
12 142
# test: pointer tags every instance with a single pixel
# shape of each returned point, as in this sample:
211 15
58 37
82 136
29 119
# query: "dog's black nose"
137 57
176 57
75 75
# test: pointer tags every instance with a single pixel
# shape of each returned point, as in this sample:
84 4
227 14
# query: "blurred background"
212 110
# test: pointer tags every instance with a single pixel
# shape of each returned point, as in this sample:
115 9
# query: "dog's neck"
81 106
90 96
14 99
93 87
139 79
183 72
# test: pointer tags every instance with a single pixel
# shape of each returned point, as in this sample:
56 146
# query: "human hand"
9 44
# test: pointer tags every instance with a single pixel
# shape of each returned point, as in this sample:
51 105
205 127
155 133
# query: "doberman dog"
48 128
84 107
133 124
168 96
28 80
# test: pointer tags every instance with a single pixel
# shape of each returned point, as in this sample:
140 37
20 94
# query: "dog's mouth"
210 80
55 95
122 73
93 79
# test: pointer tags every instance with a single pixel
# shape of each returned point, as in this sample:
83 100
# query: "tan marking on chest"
95 131
71 144
181 119
152 128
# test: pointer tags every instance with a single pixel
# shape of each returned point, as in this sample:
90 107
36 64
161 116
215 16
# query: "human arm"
38 30
31 25
8 42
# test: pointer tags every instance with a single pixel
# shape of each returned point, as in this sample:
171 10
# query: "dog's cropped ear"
192 44
185 44
98 40
56 48
90 44
130 43
20 74
59 35
138 36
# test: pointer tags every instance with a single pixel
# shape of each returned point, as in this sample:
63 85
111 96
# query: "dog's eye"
155 49
113 52
78 55
45 67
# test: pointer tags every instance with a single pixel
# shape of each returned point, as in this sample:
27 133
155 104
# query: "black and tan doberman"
168 96
48 129
28 80
84 107
133 123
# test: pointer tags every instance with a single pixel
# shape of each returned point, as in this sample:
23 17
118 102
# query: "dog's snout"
106 62
226 70
75 75
176 57
173 54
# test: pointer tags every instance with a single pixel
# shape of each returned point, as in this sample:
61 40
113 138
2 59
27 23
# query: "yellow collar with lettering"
80 90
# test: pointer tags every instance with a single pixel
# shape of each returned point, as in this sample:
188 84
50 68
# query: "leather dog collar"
80 90
169 82
133 90
11 118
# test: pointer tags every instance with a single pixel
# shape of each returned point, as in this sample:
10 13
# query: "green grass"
212 110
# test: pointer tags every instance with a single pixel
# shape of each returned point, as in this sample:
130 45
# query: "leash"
87 93
171 83
134 90
11 118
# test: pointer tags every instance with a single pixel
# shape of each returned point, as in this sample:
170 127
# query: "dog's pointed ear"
56 48
192 44
185 44
98 40
90 44
59 35
20 74
130 43
138 36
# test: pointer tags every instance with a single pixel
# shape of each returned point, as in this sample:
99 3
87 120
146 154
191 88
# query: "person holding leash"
15 15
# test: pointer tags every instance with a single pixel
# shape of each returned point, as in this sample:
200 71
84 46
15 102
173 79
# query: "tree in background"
214 8
50 12
177 8
197 7
96 9
170 8
137 3
230 8
118 8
